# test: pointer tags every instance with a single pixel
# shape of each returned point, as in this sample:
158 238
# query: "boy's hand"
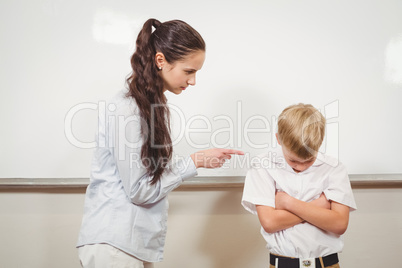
334 220
322 202
282 200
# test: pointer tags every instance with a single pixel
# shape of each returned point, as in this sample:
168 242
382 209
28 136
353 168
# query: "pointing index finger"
231 151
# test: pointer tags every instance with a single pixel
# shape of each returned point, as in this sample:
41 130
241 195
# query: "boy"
302 197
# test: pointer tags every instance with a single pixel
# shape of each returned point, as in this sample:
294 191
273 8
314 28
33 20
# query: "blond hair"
301 129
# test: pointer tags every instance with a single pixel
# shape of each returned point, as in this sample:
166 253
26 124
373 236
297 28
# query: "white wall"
207 228
263 54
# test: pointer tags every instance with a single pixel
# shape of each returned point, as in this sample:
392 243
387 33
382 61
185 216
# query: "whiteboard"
60 60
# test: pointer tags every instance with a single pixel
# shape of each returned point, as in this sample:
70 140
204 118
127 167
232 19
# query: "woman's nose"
191 81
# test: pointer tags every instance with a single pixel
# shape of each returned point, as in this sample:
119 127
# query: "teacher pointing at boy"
126 206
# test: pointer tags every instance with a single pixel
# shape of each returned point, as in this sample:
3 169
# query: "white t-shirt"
272 173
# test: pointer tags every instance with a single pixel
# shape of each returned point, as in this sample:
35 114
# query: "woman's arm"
334 220
141 192
124 143
274 220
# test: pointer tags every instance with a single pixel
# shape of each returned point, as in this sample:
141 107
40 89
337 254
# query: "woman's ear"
160 60
276 134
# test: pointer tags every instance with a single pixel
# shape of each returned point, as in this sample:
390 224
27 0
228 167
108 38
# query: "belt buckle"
307 263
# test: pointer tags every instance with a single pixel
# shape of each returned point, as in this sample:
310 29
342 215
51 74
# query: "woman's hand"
213 158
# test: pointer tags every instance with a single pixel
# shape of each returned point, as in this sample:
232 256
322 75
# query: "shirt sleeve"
126 140
259 189
339 188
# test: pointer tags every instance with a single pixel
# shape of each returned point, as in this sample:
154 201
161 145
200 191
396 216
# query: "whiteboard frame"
357 180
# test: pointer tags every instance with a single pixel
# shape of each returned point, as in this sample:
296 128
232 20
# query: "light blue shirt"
122 208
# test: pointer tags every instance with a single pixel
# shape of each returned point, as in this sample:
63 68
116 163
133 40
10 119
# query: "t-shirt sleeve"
259 189
339 188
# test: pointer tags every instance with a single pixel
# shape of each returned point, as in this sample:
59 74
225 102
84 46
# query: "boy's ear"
160 60
276 134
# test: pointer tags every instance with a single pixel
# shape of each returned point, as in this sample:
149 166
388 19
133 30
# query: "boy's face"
296 162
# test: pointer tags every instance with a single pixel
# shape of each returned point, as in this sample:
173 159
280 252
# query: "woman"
124 222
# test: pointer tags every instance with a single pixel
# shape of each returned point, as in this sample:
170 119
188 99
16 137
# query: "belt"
287 262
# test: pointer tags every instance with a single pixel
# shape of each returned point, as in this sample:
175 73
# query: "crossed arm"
327 215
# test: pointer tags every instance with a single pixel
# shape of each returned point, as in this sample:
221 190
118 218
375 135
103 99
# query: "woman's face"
179 75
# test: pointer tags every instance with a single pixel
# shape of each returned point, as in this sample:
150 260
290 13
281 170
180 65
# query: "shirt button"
296 192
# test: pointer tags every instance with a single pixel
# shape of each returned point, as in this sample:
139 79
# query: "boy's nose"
300 167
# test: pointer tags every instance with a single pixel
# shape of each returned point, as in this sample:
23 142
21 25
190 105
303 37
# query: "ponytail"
175 39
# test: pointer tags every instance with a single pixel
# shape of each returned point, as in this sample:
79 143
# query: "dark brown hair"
176 40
